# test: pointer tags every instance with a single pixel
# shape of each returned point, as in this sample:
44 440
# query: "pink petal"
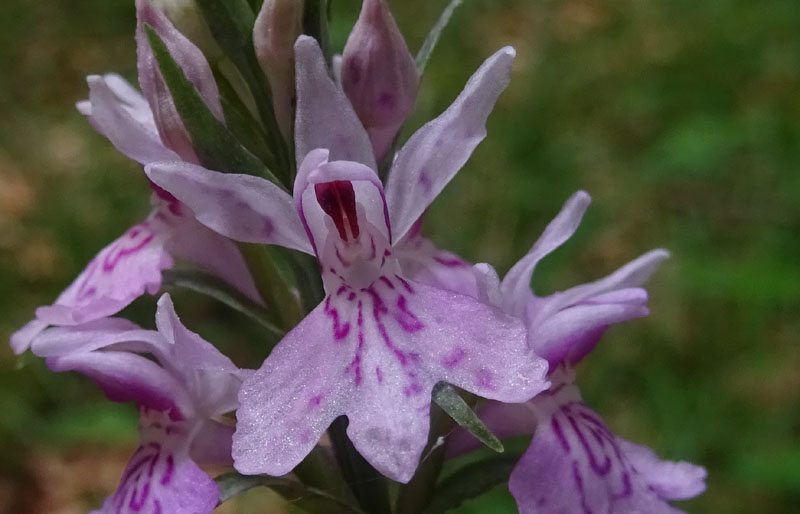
215 253
324 117
575 465
670 480
128 129
120 273
374 355
422 261
95 335
211 377
343 210
516 286
126 377
160 477
242 207
435 153
571 333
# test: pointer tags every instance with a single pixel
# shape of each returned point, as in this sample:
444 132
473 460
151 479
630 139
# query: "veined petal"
195 67
161 478
131 132
516 286
574 464
670 480
435 153
242 207
120 273
342 207
324 117
374 355
126 377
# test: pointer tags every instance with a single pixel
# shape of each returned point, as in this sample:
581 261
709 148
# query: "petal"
516 286
342 207
287 404
630 276
119 274
242 207
126 377
212 444
422 261
435 153
324 117
375 355
161 478
95 335
574 465
670 480
572 333
210 377
21 339
134 137
195 67
218 254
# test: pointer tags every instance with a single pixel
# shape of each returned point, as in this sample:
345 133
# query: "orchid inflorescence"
380 346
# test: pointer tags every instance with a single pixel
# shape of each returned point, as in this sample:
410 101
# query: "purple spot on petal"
315 402
167 477
454 358
484 379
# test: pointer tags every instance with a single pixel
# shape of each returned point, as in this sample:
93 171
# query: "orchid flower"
146 131
574 463
181 396
379 341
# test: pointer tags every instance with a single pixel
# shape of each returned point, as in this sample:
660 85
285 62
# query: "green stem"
368 486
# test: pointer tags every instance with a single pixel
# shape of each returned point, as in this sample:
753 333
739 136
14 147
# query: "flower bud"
379 75
277 26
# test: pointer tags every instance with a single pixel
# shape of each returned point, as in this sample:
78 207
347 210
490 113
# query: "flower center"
338 200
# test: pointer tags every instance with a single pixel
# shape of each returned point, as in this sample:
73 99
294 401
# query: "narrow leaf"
315 24
471 482
217 289
451 402
231 23
307 498
241 122
216 147
433 36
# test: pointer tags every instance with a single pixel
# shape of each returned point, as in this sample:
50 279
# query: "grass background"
681 118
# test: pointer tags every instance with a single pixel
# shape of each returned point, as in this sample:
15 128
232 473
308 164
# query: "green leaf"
231 23
367 484
216 147
240 120
433 36
471 482
315 24
446 397
307 498
219 290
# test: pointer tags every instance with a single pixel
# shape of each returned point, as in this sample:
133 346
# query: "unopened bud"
379 75
277 26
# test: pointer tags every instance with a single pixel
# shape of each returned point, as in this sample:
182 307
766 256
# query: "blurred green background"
681 118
